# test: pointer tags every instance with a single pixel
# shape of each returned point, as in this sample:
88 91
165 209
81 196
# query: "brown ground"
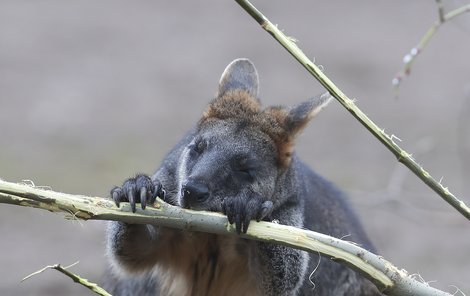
92 92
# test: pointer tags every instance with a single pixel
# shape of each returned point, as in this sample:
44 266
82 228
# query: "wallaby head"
240 149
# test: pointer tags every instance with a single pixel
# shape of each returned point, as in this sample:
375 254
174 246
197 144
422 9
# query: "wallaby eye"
245 169
245 174
198 146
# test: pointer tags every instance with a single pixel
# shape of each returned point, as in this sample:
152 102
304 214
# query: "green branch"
402 156
84 282
388 278
409 58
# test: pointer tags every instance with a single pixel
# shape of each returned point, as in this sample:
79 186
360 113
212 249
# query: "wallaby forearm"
133 246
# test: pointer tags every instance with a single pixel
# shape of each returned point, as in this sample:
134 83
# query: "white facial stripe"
182 173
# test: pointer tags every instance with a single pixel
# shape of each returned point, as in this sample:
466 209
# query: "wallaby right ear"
240 74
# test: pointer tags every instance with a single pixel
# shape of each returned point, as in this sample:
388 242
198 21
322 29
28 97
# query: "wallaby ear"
289 123
240 74
238 93
299 115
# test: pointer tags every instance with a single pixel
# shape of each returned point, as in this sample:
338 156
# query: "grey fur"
238 160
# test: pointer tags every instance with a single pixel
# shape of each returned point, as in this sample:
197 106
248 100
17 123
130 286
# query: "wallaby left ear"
298 116
240 74
290 124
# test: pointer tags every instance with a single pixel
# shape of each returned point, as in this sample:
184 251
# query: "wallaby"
239 160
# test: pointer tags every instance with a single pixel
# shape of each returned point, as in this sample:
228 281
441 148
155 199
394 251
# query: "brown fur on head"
233 104
237 99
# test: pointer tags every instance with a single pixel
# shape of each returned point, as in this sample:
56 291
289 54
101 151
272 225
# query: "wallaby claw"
140 189
266 210
242 209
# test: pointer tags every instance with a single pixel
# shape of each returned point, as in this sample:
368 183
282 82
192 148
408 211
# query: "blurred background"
92 92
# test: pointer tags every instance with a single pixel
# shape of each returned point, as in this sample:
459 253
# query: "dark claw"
143 197
159 192
245 226
116 194
140 189
131 197
246 220
266 209
244 208
238 222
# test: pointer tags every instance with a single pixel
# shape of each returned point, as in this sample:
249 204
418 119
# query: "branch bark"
402 156
388 278
84 282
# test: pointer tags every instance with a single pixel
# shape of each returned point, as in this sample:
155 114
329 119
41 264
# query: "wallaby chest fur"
213 265
239 160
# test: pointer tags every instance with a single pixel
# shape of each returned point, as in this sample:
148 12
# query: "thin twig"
388 278
402 156
47 267
440 11
84 282
410 58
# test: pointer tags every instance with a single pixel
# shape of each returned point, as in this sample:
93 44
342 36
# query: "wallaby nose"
194 193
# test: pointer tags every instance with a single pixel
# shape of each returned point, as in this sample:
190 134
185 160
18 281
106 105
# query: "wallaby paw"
242 209
140 189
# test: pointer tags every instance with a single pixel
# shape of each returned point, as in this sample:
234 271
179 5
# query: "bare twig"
383 274
409 58
440 11
402 156
84 282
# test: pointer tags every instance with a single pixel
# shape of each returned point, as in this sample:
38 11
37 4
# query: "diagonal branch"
388 278
402 156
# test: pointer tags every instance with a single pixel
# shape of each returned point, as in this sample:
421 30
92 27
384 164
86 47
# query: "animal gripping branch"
388 278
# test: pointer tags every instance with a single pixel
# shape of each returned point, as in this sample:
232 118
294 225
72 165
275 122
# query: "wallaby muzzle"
194 194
